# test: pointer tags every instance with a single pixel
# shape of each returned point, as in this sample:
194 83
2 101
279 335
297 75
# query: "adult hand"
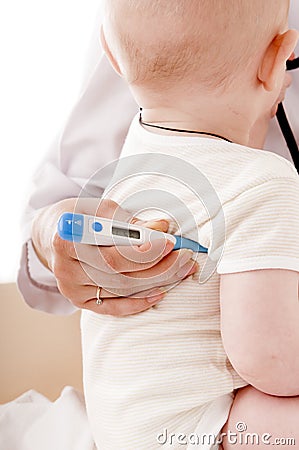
132 279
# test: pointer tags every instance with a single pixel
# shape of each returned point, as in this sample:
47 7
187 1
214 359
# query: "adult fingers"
84 297
109 209
123 258
158 225
124 306
173 268
119 288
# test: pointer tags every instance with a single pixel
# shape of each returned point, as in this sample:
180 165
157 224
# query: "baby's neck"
220 115
226 124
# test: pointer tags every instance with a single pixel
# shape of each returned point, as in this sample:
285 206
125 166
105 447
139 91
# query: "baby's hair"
158 42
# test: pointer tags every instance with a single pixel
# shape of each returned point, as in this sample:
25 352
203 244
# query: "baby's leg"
258 421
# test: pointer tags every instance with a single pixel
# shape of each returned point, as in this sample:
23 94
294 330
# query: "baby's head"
196 45
211 41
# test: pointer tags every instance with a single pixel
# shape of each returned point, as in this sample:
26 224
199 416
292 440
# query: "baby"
209 75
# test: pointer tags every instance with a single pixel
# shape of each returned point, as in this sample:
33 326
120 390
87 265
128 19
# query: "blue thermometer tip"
70 227
182 242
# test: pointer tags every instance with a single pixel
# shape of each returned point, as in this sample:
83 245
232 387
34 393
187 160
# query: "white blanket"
32 422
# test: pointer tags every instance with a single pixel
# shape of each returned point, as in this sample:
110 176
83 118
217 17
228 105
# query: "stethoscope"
284 123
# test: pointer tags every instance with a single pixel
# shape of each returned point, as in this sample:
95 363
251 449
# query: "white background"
43 48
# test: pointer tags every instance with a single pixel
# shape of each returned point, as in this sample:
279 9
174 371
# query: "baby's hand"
287 83
259 131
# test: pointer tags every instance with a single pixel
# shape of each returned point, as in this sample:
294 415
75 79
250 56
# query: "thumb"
158 225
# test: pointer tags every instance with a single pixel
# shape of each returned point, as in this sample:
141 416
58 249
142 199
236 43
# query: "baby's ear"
108 52
275 58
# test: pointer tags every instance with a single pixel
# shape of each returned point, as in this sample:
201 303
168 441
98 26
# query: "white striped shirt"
162 368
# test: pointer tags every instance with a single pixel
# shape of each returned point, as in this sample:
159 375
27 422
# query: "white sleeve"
262 228
91 138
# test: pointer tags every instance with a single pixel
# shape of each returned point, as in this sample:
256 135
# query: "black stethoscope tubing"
285 125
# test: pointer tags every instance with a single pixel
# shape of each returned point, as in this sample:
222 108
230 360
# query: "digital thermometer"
105 232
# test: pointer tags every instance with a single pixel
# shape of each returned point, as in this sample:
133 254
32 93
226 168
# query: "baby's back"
161 369
158 369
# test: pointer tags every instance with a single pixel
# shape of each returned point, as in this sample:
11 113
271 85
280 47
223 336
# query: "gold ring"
99 301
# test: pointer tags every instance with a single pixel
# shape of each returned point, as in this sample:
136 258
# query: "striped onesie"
161 378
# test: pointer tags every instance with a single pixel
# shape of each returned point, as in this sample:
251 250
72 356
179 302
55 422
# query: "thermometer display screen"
135 234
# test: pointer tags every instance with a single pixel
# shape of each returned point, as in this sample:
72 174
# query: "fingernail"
188 269
168 247
154 299
154 223
155 296
145 247
186 256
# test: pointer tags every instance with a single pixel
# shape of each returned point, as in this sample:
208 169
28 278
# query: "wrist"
44 228
38 238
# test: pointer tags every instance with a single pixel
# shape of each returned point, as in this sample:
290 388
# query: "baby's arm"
260 328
